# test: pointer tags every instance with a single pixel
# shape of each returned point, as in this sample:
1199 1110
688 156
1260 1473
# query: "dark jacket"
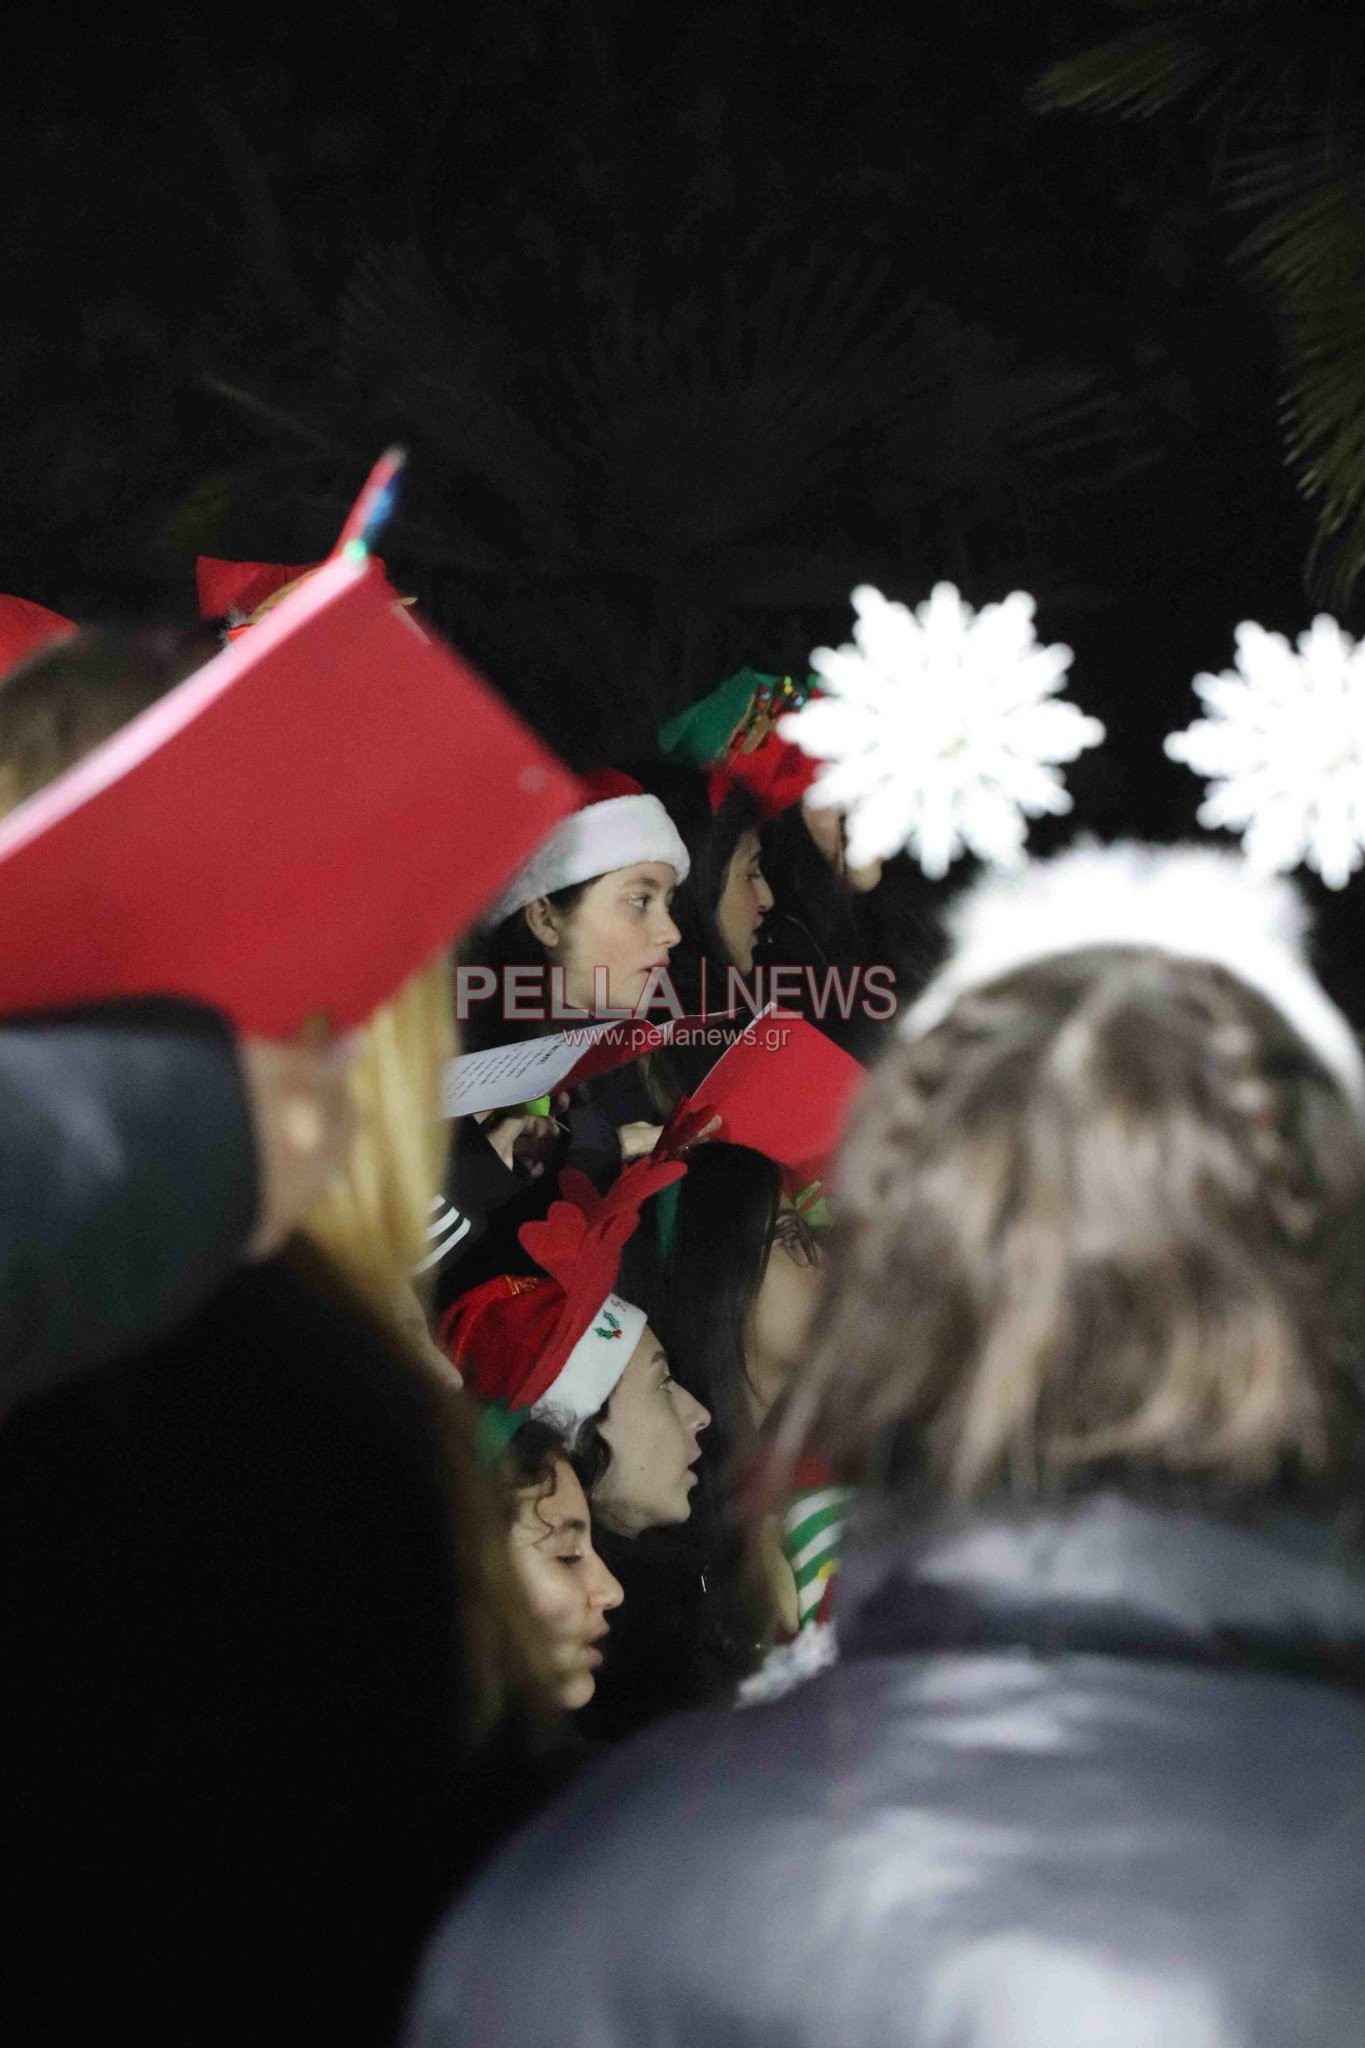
1093 1781
234 1711
474 1235
681 1638
127 1181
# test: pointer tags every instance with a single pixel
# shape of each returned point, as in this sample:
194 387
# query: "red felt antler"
580 1241
685 1127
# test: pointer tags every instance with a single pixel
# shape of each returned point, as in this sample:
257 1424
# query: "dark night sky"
690 321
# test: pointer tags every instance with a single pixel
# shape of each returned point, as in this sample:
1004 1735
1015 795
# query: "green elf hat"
700 736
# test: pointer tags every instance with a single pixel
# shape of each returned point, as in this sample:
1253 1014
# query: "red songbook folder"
784 1089
290 832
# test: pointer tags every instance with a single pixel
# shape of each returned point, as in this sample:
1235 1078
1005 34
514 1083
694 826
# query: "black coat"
474 1236
1099 1781
233 1706
127 1181
682 1637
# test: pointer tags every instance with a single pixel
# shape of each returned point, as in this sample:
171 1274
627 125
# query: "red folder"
290 832
783 1089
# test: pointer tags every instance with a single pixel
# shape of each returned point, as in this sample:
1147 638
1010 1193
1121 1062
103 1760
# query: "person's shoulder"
640 1878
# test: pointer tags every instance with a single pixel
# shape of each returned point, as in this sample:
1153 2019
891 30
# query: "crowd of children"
494 1259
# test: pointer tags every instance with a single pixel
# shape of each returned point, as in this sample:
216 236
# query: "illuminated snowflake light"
1283 748
940 729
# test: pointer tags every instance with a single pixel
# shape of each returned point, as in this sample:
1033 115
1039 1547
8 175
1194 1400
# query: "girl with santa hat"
561 1346
584 929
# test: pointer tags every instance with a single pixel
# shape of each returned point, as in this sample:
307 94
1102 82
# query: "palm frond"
1141 73
1279 83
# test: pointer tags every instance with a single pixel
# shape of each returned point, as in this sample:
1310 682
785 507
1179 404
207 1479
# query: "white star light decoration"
940 730
1283 746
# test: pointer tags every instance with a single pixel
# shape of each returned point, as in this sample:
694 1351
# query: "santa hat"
1193 902
615 827
26 628
291 832
236 590
553 1347
731 733
243 592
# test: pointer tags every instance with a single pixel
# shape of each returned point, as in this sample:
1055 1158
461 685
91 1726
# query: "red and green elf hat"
730 733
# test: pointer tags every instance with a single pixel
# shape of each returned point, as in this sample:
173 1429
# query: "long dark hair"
531 1456
510 944
806 891
700 1297
710 838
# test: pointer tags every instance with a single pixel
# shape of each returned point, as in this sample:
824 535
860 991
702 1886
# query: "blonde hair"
1104 1224
362 1241
68 699
373 1218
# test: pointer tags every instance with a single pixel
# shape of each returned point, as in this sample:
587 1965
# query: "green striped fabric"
811 1531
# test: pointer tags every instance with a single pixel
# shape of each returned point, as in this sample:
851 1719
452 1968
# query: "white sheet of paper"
508 1074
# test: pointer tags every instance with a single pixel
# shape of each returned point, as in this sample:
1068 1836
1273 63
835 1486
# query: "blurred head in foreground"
1100 1213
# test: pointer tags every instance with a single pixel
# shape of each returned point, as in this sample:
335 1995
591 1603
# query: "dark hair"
700 1300
510 944
589 1452
710 838
531 1456
806 890
1104 1226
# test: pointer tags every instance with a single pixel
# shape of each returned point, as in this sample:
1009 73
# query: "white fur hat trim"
1193 902
594 841
590 1372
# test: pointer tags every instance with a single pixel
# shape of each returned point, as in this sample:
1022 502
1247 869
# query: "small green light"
355 551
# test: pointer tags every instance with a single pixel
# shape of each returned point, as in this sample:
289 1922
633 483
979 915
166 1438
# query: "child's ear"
540 922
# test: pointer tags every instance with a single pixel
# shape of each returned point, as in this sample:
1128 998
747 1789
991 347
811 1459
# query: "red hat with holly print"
554 1347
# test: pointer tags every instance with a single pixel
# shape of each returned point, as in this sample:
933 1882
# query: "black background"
691 319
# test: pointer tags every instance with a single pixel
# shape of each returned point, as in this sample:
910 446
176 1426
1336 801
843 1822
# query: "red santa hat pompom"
617 826
554 1347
